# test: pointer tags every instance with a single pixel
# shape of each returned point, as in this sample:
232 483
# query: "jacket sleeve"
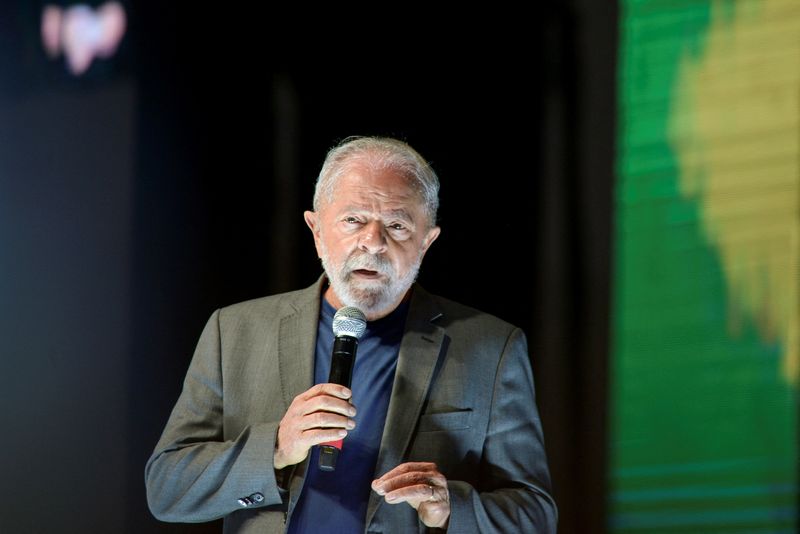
513 491
195 475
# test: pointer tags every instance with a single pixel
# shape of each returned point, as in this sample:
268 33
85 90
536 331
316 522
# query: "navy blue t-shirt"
336 502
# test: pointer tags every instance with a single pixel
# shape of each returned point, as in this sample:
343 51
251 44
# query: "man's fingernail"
343 432
345 392
351 424
390 498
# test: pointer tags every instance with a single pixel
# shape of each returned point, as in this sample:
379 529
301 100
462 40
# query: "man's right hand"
320 414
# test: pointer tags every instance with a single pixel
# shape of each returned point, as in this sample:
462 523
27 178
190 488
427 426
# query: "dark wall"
65 259
174 183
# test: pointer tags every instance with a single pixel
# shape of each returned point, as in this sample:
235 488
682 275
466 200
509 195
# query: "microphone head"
349 321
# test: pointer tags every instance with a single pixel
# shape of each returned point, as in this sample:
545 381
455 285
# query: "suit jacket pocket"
431 422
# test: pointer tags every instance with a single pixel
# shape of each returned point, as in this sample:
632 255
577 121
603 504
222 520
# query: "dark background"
171 180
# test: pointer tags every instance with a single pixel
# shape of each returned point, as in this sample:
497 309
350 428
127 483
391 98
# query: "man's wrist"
277 462
282 477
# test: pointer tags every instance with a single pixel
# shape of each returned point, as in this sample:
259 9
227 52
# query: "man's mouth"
366 273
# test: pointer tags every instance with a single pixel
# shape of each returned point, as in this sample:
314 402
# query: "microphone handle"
343 359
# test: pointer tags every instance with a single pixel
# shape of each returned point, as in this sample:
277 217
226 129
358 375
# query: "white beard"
375 298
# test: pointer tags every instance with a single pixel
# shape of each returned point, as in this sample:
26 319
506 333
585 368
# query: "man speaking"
439 427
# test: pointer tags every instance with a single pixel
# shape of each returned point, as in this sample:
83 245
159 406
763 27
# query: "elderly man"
440 426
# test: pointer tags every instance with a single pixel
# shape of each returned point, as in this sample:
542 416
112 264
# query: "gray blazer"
463 397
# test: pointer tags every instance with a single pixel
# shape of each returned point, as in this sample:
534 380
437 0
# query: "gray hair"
379 153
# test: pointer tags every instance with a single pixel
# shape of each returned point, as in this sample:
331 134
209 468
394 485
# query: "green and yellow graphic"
706 355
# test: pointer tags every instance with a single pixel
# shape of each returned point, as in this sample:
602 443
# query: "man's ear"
312 220
430 237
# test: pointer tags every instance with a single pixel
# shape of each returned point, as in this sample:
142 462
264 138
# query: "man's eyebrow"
397 212
401 213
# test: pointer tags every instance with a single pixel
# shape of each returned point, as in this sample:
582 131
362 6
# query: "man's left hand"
421 485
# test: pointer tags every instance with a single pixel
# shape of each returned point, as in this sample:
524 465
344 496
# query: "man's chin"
366 298
375 297
368 284
373 301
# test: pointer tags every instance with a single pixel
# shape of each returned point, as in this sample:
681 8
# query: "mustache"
369 262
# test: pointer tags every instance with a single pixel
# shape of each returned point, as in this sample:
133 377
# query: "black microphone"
349 324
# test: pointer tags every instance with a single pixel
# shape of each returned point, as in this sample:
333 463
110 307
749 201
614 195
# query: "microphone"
349 324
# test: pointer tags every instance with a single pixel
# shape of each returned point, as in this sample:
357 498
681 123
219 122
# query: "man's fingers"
415 494
326 389
404 480
426 467
326 403
323 398
419 476
321 435
422 486
326 420
321 413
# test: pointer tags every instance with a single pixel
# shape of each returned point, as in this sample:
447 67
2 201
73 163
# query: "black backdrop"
170 182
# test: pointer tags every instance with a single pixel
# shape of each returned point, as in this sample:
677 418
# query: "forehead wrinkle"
370 191
374 196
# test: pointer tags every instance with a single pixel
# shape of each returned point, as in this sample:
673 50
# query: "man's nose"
373 239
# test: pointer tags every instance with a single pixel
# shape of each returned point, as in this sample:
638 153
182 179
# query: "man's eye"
351 220
397 226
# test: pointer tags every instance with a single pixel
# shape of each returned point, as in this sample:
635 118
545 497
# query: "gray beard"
373 297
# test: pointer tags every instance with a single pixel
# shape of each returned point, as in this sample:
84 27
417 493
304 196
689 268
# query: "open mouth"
366 273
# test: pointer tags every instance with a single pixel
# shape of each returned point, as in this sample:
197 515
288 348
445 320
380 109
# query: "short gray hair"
379 153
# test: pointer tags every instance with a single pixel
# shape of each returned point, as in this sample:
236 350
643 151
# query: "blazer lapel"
297 338
419 352
296 343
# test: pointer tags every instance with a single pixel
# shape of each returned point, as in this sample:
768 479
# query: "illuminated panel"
707 268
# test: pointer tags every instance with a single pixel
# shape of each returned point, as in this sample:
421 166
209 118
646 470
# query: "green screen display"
706 311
